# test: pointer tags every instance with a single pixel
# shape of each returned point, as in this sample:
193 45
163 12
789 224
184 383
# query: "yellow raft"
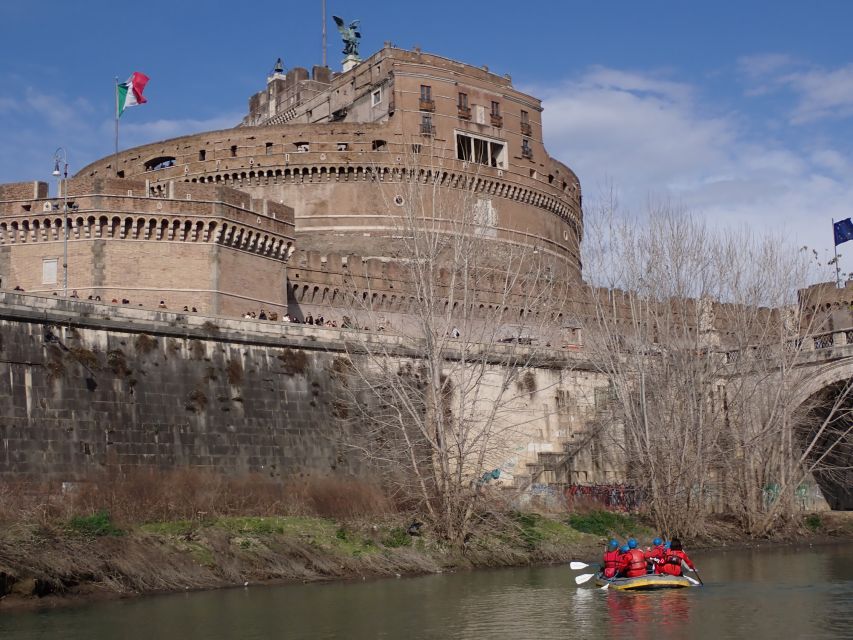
647 582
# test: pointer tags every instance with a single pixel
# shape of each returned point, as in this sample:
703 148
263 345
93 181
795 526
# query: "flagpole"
324 32
115 158
837 266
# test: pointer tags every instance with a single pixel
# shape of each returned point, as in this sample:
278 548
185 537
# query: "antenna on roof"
324 32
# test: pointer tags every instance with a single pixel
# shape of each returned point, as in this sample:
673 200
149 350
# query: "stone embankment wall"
86 387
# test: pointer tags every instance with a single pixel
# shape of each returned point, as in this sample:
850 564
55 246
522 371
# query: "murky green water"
782 594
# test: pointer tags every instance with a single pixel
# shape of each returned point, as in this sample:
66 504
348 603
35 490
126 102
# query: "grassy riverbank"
92 557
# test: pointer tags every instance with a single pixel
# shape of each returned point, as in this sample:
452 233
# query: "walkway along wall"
84 387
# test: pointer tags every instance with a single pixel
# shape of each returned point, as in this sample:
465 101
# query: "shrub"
397 537
86 357
98 524
530 533
813 522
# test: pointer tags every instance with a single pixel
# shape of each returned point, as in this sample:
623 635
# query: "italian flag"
129 94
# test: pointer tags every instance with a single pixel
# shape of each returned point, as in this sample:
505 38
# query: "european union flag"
843 231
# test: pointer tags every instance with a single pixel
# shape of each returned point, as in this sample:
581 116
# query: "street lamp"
60 170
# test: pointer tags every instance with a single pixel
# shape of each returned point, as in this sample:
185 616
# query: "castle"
291 194
284 212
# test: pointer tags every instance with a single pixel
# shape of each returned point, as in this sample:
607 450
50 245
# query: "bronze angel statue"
350 35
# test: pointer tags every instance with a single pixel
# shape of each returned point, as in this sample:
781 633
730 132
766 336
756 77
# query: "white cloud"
819 92
657 137
136 133
822 93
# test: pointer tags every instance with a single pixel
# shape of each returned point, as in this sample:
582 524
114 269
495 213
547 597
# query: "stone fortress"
283 212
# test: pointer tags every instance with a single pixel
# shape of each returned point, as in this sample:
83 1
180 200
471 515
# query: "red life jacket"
672 563
633 564
656 556
611 563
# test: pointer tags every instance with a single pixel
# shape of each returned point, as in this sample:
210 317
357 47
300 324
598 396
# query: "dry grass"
157 496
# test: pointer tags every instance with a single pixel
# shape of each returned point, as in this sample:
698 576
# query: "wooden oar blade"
584 577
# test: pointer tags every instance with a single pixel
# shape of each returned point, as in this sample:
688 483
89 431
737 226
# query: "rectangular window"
526 130
463 100
343 146
491 153
376 97
202 155
426 92
268 148
426 124
416 148
233 150
48 270
496 108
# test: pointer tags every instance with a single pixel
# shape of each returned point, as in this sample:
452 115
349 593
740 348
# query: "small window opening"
426 92
376 97
302 147
416 148
268 148
379 145
525 117
496 108
463 100
48 270
202 155
233 150
343 146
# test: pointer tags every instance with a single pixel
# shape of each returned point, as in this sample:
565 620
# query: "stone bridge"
822 367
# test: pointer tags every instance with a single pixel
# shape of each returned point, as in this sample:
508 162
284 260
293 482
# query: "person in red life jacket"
655 556
674 557
633 561
610 562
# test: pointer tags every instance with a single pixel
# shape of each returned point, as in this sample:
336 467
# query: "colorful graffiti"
611 496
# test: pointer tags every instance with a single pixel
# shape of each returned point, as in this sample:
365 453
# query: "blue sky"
741 111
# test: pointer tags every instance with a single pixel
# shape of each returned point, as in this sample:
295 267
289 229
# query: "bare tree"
434 401
700 332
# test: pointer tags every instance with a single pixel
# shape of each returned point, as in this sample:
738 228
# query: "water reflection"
759 595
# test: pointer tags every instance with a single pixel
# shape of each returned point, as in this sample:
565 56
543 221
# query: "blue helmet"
667 545
625 549
613 544
657 542
632 544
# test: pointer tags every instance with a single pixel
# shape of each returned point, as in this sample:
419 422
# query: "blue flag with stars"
843 231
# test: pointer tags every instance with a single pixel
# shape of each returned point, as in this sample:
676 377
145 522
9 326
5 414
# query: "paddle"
577 566
684 565
584 577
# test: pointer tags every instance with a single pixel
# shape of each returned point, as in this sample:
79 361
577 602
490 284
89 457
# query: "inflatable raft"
647 582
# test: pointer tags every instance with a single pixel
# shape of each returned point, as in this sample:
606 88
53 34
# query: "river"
772 593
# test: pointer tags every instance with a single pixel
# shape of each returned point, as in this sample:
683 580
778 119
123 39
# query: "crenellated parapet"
206 246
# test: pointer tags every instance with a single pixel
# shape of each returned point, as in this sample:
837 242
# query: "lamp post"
60 170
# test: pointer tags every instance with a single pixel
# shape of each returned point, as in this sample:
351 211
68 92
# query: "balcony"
497 120
427 105
464 112
428 130
526 129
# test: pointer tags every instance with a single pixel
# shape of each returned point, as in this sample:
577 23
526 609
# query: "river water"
774 593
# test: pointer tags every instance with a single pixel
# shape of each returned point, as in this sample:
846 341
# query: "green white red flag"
129 94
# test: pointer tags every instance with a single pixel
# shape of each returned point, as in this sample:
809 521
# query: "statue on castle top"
350 35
